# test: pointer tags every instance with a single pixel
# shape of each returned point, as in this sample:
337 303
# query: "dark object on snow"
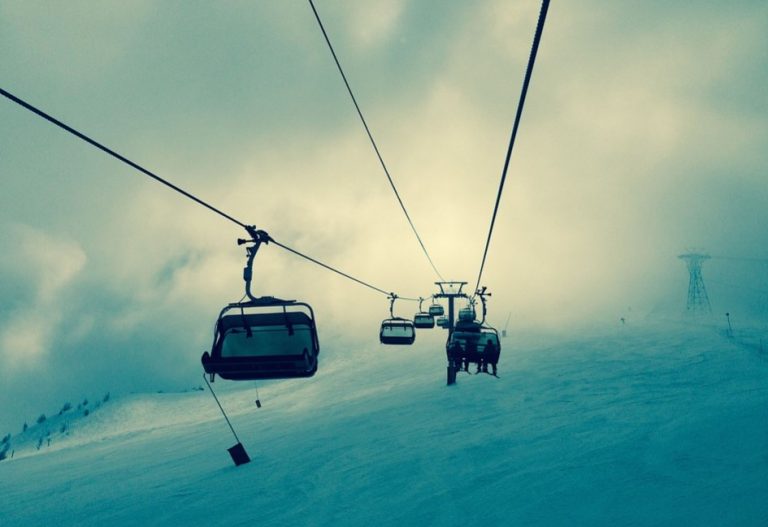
239 455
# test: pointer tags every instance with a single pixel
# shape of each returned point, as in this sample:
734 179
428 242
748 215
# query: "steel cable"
373 142
521 103
181 191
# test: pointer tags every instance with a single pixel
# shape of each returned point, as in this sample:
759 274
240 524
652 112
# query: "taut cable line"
373 142
515 127
178 189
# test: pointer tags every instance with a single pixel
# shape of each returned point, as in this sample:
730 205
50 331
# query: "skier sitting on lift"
454 354
490 356
471 355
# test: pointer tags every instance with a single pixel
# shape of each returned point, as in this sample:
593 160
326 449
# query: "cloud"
25 338
46 264
371 23
642 135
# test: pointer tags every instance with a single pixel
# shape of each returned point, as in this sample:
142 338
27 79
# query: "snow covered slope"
659 425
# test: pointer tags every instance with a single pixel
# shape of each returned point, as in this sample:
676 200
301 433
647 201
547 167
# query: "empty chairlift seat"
260 341
397 331
424 321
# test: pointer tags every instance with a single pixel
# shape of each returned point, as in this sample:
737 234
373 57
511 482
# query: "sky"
643 137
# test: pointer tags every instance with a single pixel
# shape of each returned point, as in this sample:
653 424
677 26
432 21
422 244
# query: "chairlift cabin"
397 331
467 314
263 338
436 310
266 339
481 345
424 321
442 322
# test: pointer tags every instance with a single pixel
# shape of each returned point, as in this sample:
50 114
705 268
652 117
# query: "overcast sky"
644 135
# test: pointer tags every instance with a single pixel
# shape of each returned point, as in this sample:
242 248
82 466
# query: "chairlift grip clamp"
257 238
392 297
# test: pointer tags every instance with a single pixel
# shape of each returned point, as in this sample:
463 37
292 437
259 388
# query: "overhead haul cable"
181 191
373 142
520 104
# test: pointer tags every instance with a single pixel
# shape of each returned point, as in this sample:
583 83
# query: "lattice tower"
698 301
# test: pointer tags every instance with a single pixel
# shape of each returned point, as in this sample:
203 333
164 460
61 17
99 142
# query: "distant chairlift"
396 330
442 322
478 345
436 310
467 314
263 338
472 342
422 319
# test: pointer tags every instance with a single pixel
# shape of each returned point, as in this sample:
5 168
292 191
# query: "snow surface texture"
659 425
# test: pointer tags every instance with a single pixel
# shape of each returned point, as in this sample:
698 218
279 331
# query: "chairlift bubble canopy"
423 321
436 310
397 331
266 339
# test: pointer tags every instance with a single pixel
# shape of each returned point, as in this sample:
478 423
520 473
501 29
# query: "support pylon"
698 301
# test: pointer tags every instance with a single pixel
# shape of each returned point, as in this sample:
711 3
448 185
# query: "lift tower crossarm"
446 292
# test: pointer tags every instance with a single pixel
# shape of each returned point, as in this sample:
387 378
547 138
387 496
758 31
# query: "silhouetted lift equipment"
396 330
442 322
506 326
436 310
265 337
469 341
422 319
261 338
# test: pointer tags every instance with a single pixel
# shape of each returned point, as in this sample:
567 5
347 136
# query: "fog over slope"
645 424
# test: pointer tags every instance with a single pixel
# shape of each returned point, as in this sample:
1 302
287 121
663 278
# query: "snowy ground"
653 425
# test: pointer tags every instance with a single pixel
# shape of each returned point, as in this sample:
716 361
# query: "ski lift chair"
471 345
467 314
442 322
396 330
424 321
436 310
266 339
